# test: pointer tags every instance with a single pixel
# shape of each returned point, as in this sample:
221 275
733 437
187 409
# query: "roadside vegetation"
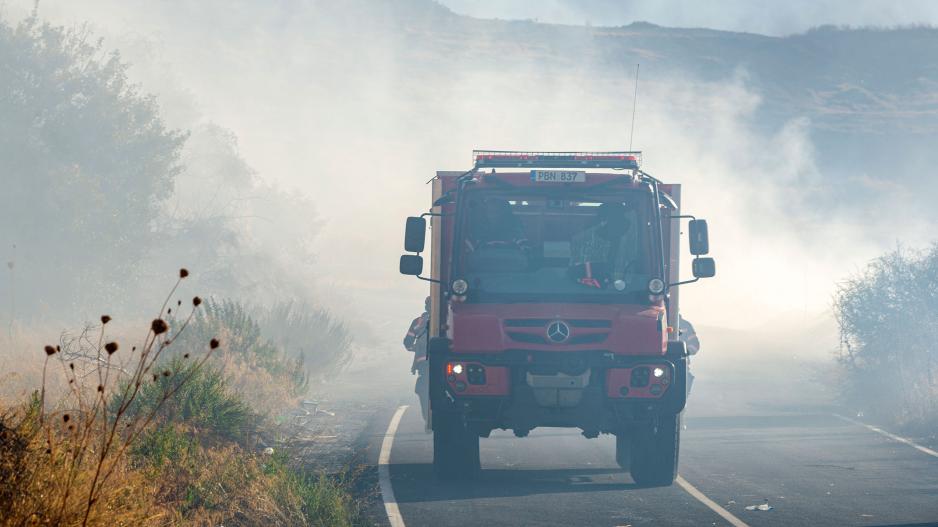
888 318
272 355
156 434
102 195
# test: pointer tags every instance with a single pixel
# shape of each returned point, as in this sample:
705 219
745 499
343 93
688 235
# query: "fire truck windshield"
552 248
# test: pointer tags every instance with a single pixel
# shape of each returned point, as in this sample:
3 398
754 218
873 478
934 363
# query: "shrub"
888 318
161 445
202 402
310 333
245 343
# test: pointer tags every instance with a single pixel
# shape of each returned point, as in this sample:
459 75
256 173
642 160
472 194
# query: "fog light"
657 372
460 386
656 389
457 369
624 391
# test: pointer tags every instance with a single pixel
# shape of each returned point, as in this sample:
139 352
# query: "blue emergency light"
512 159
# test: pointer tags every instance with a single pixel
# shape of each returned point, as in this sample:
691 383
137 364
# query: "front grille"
590 323
534 338
526 322
543 322
590 338
528 338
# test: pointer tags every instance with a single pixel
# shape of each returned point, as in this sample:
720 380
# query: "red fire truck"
555 304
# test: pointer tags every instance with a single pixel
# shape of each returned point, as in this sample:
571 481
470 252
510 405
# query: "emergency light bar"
509 159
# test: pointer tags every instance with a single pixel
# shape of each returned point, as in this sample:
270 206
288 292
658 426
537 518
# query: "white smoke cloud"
345 121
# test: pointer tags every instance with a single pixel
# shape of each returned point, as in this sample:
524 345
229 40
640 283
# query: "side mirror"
411 264
699 237
702 267
415 235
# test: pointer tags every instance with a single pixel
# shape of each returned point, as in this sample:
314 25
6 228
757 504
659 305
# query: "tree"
86 163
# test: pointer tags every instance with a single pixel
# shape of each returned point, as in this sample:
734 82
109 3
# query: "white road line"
384 472
394 513
712 505
894 437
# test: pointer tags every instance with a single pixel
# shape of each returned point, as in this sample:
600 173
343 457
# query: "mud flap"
437 350
676 398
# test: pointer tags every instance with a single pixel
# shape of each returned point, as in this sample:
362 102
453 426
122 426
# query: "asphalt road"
812 469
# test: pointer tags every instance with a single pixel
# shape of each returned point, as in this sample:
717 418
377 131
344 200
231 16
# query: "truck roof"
621 160
555 169
516 179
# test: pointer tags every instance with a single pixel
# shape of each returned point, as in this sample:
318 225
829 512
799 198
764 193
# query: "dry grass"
21 366
33 476
117 436
266 394
227 486
68 464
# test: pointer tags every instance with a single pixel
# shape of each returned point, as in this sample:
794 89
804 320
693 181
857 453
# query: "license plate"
558 176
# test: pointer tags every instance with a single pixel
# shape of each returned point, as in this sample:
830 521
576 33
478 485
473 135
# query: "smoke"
351 111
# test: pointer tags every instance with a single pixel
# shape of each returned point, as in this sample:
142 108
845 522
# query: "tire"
624 450
455 449
655 452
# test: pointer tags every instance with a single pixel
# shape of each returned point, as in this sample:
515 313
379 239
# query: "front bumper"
595 391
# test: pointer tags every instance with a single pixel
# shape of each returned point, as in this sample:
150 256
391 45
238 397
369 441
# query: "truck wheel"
623 450
455 449
655 452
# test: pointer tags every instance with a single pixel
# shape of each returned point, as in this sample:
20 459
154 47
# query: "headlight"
656 286
460 287
657 372
457 369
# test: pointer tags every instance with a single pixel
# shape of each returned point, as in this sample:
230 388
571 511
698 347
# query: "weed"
70 455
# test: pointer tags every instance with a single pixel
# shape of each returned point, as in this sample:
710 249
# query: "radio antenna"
634 102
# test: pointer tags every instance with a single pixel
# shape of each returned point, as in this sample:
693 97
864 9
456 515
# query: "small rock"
762 507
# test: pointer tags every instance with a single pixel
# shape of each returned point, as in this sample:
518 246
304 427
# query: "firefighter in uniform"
687 333
416 341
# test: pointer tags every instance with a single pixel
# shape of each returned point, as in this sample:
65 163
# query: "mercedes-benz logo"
558 331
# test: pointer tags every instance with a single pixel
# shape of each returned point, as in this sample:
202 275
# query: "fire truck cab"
554 303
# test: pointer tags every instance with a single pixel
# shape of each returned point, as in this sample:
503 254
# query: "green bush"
201 402
163 444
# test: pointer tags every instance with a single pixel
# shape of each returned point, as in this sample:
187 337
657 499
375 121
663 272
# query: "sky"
768 17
